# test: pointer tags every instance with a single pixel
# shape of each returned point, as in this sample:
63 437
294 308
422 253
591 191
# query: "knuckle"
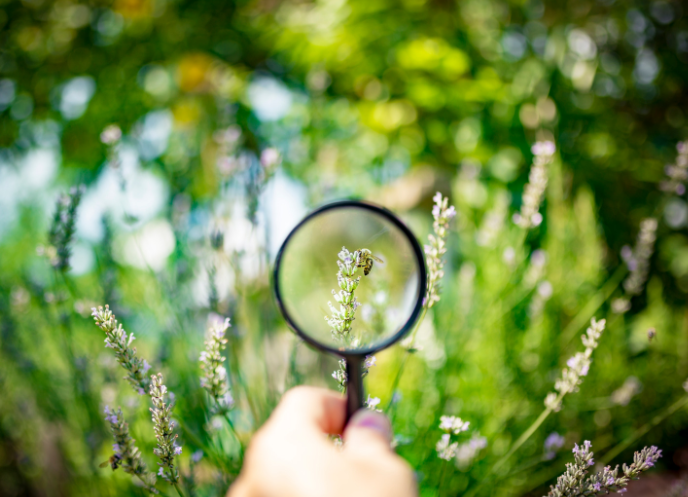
297 395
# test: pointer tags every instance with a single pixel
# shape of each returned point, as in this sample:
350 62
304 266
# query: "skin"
290 456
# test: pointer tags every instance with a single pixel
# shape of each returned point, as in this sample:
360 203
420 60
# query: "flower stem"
407 353
523 438
683 401
593 305
242 449
179 490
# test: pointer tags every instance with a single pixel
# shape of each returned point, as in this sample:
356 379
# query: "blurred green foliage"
384 100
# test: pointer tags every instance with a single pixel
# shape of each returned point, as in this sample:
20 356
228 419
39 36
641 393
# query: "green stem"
148 487
206 448
593 304
443 473
400 371
179 490
644 429
242 449
523 438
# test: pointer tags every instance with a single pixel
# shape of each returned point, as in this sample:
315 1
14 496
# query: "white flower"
543 148
111 134
372 403
453 424
445 449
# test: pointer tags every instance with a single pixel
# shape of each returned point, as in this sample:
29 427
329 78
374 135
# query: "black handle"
354 385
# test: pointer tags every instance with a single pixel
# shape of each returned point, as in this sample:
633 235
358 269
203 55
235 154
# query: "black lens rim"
420 258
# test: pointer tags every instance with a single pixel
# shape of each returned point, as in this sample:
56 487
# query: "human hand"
290 456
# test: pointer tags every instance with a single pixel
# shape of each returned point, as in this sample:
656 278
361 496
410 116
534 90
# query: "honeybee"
365 260
113 462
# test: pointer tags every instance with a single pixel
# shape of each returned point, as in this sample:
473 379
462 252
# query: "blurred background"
234 119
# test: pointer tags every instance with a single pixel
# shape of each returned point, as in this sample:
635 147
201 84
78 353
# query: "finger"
311 409
368 432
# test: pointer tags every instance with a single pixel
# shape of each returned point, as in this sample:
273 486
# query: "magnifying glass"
350 280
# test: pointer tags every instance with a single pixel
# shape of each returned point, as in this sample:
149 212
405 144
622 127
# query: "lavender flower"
163 425
442 213
126 454
214 379
118 340
341 319
677 174
340 374
623 395
451 425
638 261
446 449
578 367
111 134
553 443
575 482
467 451
111 137
372 403
227 140
270 158
537 182
62 229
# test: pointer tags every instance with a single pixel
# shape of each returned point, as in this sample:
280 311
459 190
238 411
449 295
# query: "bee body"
114 462
366 260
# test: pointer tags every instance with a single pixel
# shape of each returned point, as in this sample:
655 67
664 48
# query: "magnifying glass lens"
349 278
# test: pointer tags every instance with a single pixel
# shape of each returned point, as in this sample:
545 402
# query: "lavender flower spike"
537 182
120 342
342 318
446 447
127 455
576 482
578 367
442 213
677 174
638 260
214 379
163 425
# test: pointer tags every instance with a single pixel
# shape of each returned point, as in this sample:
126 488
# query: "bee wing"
377 259
103 464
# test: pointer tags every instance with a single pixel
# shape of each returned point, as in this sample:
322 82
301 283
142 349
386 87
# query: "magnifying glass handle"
354 385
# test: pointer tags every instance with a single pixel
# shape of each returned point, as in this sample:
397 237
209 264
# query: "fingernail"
372 420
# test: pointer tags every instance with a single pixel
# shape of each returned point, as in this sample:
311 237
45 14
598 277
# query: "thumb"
368 433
